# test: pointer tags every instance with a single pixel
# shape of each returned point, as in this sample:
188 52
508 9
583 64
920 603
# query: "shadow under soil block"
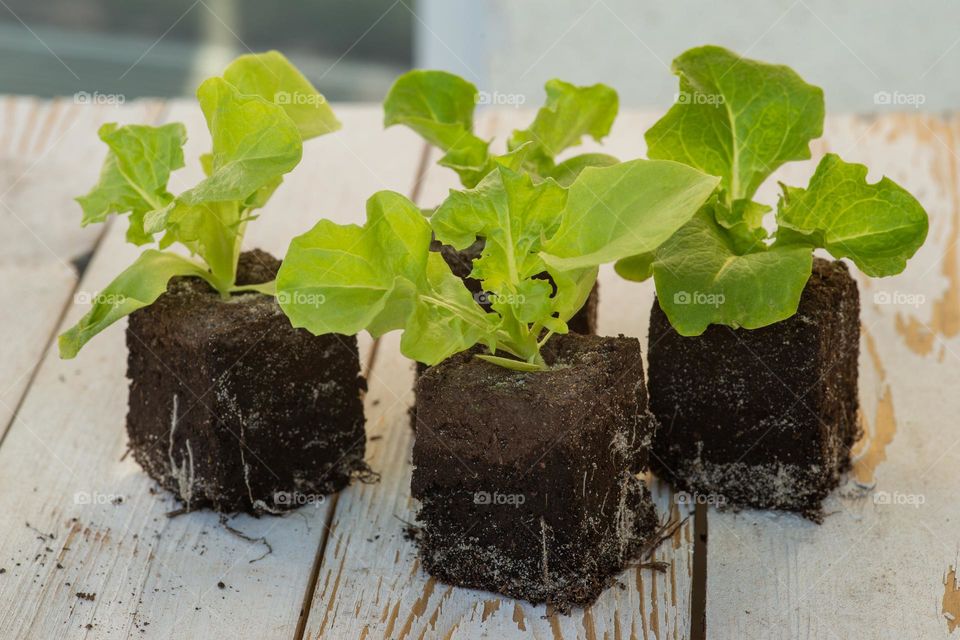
764 417
232 408
528 489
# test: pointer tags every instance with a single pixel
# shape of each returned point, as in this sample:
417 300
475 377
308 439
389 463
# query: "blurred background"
868 56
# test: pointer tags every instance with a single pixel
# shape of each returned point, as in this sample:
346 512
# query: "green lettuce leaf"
702 280
211 230
138 286
512 214
570 113
439 106
737 118
254 142
878 226
134 175
624 210
741 119
637 268
568 170
381 277
272 77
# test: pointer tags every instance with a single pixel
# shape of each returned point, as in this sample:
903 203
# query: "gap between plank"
698 590
419 177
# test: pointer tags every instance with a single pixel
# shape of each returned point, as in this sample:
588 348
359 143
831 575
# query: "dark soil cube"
762 417
528 489
230 407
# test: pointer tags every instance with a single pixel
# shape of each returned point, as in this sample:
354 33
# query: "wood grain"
98 549
85 542
44 143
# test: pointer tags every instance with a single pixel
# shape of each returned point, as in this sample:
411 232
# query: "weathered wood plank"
61 466
42 144
882 565
371 584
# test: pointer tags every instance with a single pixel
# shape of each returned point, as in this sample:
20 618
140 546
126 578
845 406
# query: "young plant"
740 119
258 113
440 107
382 276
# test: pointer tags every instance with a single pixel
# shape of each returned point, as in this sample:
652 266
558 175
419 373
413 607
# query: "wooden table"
87 550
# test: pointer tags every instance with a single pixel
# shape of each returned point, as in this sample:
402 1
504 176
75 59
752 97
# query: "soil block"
762 417
528 489
232 408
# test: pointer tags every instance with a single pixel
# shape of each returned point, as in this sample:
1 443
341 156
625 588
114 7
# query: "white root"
183 473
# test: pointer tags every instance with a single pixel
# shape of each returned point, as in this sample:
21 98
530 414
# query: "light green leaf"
701 280
138 286
380 277
272 77
569 113
446 318
135 174
743 221
211 230
513 215
637 268
509 363
530 303
573 289
623 210
568 170
439 106
254 142
737 118
878 226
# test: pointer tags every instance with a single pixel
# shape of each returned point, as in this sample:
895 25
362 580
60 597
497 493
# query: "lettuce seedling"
382 276
440 107
740 119
258 113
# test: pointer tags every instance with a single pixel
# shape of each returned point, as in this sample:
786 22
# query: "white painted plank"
44 146
872 570
371 584
155 576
